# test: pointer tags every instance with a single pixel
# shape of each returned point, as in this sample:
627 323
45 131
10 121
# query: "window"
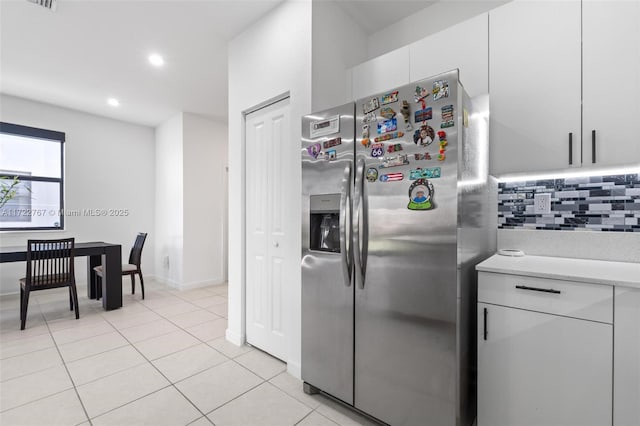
31 166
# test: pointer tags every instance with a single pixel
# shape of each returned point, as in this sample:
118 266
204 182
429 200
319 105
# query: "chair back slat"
50 262
135 256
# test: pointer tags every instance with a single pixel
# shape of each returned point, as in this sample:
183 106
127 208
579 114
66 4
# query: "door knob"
276 244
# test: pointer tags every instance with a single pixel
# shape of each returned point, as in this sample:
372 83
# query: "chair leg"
25 304
70 299
141 284
72 288
21 301
133 283
98 287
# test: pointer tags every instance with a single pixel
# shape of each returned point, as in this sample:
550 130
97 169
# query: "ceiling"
88 51
374 15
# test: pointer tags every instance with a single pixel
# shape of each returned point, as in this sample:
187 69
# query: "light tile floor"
161 361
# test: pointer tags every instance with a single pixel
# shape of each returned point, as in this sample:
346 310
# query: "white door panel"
267 237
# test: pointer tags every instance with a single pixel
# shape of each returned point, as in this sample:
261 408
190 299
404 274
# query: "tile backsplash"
595 203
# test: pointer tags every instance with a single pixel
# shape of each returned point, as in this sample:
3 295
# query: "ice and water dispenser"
325 223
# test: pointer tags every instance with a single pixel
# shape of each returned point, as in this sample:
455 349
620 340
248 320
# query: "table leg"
92 262
112 278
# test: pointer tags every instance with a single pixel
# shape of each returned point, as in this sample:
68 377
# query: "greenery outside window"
31 178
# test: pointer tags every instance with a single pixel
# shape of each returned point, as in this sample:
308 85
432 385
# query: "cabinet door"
379 74
611 75
464 46
534 81
538 369
627 358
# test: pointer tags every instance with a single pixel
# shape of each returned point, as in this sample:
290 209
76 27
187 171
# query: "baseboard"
233 337
198 284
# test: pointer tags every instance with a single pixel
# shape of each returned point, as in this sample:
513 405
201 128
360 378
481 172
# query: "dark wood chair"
49 265
132 268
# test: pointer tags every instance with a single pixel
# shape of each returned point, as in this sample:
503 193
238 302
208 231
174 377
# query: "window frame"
47 135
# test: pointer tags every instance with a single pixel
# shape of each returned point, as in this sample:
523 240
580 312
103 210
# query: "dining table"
98 253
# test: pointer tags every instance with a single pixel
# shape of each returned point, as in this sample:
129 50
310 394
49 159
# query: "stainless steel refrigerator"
397 209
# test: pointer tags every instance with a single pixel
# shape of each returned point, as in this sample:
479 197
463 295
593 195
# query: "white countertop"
624 274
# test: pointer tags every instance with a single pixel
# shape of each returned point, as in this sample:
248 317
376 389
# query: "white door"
537 369
268 150
611 73
534 81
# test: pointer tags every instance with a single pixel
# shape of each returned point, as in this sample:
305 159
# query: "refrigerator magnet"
423 115
387 126
370 117
424 156
331 155
389 136
332 142
440 89
406 114
395 161
427 173
370 106
365 131
387 112
394 148
389 98
424 136
372 174
420 94
421 195
377 150
314 150
391 177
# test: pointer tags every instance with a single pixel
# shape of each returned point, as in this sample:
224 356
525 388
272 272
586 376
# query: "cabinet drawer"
579 300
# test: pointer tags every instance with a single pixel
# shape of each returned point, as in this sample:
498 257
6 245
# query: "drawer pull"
486 332
544 290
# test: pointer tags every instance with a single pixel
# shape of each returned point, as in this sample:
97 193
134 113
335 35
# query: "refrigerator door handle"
359 241
345 225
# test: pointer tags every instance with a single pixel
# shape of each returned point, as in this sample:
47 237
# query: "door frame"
243 243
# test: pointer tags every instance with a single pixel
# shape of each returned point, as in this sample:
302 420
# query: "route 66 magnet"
421 195
377 150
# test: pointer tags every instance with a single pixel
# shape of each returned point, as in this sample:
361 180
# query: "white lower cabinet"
537 368
626 381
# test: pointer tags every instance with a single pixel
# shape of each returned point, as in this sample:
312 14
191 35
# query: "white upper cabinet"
464 46
611 81
534 84
382 73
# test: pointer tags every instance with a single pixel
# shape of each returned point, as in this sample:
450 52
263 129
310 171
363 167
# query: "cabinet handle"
570 148
486 332
544 290
593 146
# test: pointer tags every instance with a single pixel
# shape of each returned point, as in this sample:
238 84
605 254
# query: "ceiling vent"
47 4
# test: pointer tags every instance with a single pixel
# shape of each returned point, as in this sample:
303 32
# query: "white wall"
191 192
429 20
108 164
270 59
338 44
169 201
204 203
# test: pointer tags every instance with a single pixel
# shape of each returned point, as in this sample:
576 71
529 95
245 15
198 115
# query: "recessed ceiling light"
156 60
113 102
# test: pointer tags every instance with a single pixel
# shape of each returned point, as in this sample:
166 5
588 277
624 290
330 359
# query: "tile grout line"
73 383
